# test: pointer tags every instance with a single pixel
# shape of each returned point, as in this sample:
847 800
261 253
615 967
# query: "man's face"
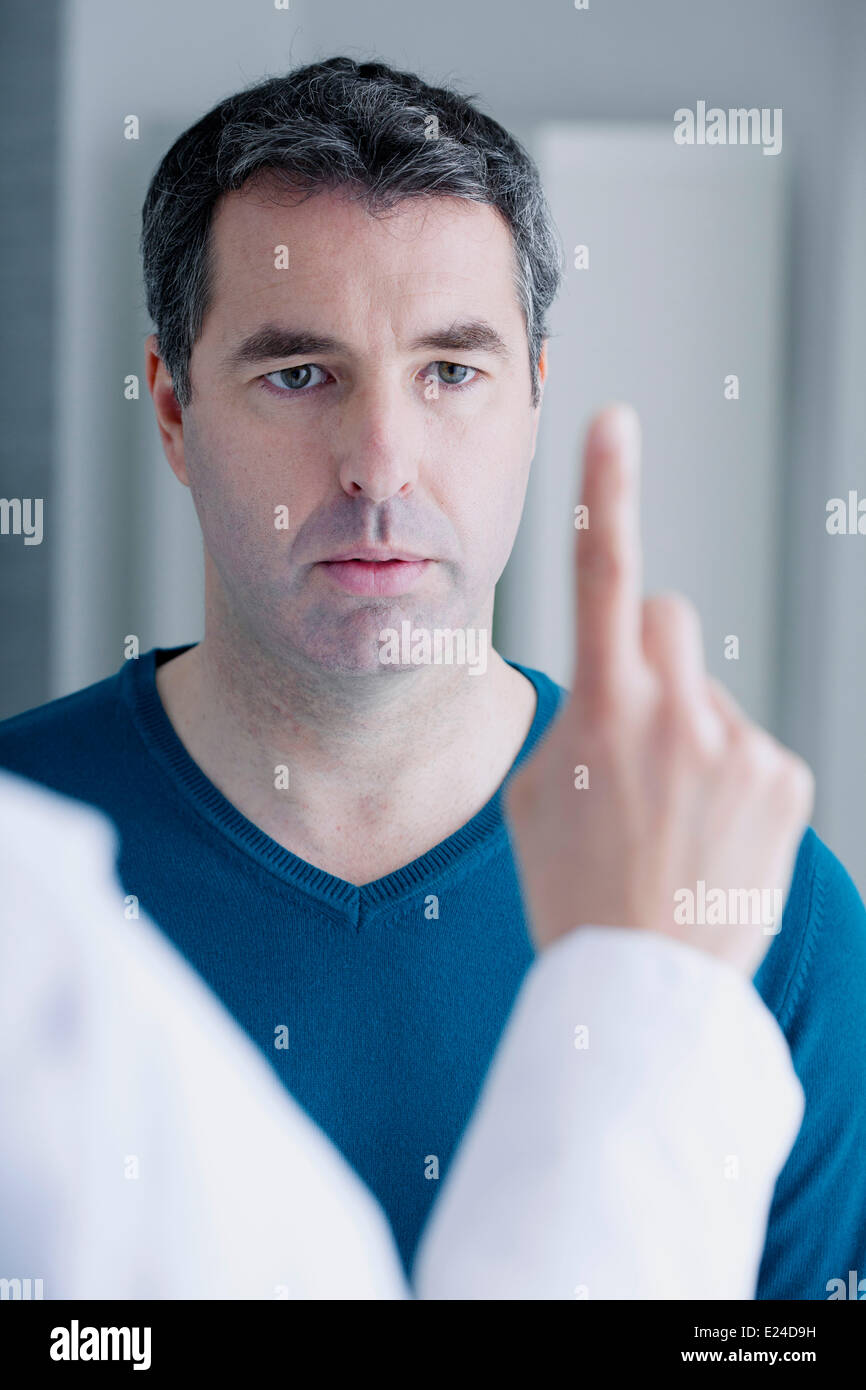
377 429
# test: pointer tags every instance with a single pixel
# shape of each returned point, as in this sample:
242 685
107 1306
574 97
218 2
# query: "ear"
169 417
542 362
536 412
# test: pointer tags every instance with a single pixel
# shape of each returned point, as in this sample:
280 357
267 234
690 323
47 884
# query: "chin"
353 642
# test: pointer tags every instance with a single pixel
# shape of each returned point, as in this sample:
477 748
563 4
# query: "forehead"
425 255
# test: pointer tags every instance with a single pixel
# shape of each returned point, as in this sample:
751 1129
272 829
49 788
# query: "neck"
394 761
367 720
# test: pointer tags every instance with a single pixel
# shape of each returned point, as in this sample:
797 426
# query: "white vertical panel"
842 784
684 286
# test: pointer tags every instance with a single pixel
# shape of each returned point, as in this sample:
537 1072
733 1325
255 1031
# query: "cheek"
238 533
486 514
250 495
236 511
490 486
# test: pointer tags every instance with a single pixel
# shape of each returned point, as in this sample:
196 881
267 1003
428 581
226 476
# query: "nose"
378 458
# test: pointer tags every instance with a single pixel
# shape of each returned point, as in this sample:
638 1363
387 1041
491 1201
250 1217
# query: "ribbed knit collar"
480 834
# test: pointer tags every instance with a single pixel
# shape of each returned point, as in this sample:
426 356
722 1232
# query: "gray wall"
29 61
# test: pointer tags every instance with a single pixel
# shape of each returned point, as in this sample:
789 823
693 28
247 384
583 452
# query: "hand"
682 787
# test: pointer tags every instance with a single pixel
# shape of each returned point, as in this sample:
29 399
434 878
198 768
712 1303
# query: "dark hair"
385 134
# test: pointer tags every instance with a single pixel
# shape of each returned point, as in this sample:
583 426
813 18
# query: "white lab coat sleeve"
147 1150
628 1137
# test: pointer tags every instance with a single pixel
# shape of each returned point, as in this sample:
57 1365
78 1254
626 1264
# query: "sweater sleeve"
628 1137
814 980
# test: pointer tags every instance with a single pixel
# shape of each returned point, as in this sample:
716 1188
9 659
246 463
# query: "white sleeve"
628 1137
147 1150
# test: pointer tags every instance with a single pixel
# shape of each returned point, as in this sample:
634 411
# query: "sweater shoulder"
817 964
550 698
66 741
77 710
544 683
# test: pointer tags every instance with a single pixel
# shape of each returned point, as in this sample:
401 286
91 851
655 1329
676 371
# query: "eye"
293 380
444 374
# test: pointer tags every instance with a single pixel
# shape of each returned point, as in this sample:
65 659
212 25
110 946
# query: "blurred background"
701 263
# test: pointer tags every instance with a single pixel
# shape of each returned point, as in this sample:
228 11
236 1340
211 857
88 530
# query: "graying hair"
337 124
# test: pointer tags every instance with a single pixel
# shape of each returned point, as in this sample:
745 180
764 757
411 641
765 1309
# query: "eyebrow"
272 340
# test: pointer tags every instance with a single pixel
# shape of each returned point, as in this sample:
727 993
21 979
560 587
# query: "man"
319 830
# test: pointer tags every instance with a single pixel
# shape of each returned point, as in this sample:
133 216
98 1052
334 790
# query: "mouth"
370 553
371 572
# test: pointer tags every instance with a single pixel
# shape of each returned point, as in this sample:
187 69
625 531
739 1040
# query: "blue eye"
295 379
451 367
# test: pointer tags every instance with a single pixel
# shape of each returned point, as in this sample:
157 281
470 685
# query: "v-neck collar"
483 830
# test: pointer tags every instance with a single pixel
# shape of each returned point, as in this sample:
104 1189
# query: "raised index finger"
608 644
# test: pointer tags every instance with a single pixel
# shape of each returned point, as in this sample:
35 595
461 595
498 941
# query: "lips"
366 572
377 556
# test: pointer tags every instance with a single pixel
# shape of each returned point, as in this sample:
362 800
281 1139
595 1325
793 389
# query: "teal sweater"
392 996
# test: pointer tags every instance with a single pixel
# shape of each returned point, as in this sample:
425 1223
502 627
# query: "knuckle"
769 764
671 715
702 735
676 607
741 738
602 565
797 783
675 613
681 731
603 714
755 758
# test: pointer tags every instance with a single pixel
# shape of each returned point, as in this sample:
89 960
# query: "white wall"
838 711
683 288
